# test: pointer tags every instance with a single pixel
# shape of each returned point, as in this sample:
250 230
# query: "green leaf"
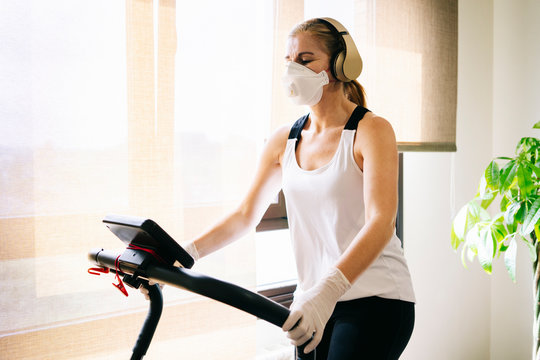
456 241
498 234
465 251
485 193
475 213
527 145
527 149
537 125
498 230
470 248
504 203
459 227
510 258
534 169
525 181
519 217
492 175
510 213
485 252
471 253
531 218
508 176
512 228
530 246
486 202
482 188
470 214
486 249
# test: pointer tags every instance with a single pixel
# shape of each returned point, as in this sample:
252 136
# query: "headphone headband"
347 65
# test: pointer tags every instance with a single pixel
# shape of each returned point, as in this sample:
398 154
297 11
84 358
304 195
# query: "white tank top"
325 209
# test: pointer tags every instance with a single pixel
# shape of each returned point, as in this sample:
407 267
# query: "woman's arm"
263 189
376 150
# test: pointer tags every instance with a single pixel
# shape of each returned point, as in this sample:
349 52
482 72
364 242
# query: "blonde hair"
334 45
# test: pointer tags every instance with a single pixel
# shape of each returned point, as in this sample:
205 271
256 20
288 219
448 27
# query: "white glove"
191 249
144 290
313 308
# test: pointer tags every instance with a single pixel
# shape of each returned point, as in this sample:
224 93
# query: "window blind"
413 71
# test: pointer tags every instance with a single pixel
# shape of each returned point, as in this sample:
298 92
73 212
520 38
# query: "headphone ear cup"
338 67
347 65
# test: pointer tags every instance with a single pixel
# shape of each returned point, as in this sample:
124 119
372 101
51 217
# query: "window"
159 109
147 108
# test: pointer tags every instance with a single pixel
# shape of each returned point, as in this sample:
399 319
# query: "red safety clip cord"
150 251
103 270
120 286
98 271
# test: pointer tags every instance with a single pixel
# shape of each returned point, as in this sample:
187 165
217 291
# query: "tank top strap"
296 129
357 115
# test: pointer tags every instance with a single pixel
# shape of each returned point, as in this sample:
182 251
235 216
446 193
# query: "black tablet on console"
147 234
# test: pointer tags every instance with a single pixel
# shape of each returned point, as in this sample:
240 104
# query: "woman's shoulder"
373 124
276 143
281 134
374 129
373 121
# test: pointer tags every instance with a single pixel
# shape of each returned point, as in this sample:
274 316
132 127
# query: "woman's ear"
331 77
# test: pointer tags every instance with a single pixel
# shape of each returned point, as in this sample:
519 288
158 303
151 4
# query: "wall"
453 303
516 86
464 313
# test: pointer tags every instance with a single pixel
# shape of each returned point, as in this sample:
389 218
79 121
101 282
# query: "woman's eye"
304 62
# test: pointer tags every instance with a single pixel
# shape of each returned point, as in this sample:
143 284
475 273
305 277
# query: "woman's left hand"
311 310
144 290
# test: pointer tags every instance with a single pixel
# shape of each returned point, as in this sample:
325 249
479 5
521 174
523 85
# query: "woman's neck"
333 110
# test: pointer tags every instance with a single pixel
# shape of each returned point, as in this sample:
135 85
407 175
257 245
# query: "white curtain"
159 109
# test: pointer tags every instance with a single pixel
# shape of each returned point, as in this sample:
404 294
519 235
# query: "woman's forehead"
303 43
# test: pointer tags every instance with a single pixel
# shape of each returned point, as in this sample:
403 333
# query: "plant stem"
536 295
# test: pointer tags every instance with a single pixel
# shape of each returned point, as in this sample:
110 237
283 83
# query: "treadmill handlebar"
207 286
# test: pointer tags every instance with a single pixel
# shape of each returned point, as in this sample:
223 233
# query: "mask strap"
330 79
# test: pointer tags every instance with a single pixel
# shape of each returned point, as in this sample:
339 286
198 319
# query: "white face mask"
303 85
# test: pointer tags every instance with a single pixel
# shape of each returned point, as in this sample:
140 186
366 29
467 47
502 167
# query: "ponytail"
355 92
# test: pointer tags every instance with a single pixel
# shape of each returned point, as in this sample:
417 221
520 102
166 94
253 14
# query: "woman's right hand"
191 249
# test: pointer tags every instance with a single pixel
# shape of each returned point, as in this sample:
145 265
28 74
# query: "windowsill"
281 292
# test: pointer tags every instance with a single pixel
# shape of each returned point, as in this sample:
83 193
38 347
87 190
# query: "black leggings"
370 328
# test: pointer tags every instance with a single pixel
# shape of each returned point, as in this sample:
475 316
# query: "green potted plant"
515 182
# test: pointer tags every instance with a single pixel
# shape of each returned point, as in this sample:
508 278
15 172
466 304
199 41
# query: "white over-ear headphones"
346 66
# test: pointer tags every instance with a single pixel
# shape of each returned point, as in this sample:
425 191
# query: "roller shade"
415 83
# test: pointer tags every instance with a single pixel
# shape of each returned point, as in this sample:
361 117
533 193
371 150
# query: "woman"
338 169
